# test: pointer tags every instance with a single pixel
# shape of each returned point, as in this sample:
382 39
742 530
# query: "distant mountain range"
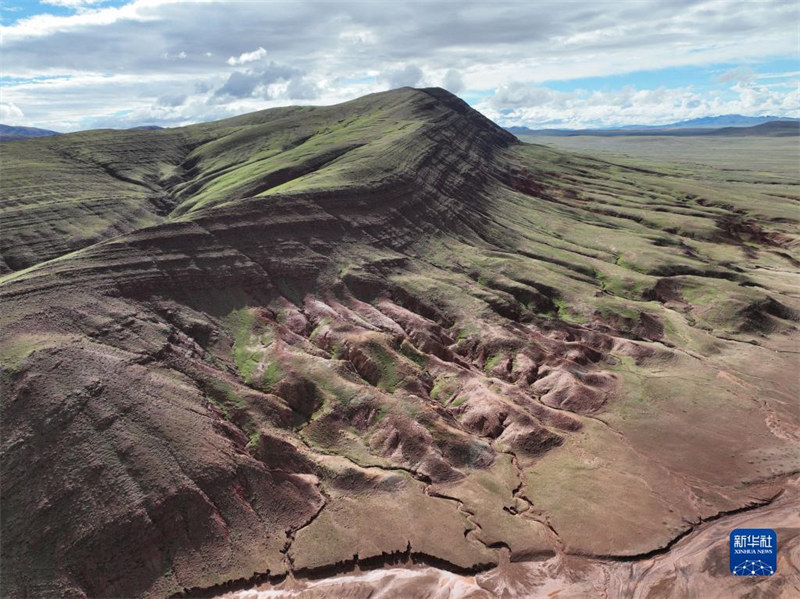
715 122
713 125
9 133
771 129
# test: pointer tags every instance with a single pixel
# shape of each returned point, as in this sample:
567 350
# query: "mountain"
310 339
725 120
771 129
702 126
9 133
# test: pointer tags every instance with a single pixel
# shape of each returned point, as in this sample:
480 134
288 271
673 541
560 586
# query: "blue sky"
12 11
77 64
699 77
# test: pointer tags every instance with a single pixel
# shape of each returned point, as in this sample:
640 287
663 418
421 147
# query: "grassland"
751 158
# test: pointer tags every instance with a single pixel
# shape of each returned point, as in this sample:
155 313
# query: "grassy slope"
69 192
383 298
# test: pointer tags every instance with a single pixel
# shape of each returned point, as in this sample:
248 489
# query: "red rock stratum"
306 339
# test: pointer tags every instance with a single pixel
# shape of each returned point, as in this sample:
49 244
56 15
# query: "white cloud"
246 57
350 49
302 88
75 4
516 94
408 76
541 107
46 24
452 81
177 56
358 36
10 114
171 100
739 74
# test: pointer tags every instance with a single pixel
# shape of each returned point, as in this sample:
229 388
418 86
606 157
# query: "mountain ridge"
383 328
184 155
699 126
14 133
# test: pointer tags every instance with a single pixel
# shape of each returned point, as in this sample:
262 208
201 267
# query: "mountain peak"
390 150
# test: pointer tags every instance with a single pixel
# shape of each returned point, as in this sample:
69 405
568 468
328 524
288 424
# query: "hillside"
313 338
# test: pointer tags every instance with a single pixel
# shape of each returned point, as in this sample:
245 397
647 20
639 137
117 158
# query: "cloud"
302 88
408 76
739 74
172 100
75 4
514 52
238 85
516 94
246 57
243 84
43 25
453 81
542 107
10 114
358 37
177 56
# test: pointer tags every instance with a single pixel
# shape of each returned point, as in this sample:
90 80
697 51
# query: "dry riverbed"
695 566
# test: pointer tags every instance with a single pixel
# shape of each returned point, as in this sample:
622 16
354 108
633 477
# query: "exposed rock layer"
327 336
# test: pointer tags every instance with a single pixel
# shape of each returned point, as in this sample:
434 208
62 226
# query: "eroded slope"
384 330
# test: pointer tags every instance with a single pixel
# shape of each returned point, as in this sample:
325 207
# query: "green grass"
245 355
566 312
443 389
390 378
322 323
251 345
462 399
14 352
413 354
273 373
493 361
224 396
253 439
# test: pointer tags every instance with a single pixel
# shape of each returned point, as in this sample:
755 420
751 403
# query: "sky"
70 65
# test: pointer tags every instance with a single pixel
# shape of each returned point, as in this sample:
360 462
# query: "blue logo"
753 552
